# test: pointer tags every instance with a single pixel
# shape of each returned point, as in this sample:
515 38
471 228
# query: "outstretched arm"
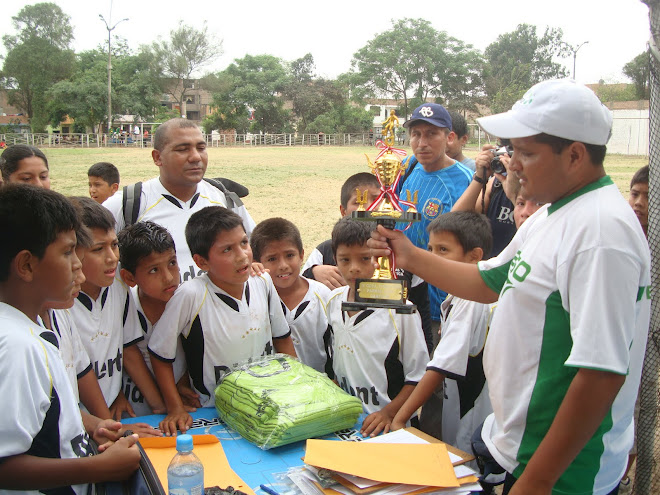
422 392
460 279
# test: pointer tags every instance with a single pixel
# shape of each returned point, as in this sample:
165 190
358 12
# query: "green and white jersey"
574 293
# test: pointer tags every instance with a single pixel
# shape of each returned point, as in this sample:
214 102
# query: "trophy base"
359 306
380 293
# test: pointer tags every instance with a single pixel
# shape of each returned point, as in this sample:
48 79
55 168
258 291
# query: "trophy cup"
384 290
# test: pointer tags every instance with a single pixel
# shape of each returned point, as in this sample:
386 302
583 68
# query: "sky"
616 30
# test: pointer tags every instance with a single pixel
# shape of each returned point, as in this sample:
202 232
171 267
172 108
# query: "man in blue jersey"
436 184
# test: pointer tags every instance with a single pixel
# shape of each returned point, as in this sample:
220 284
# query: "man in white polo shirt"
564 354
179 191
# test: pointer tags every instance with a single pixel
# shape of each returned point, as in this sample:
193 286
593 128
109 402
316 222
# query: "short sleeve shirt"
159 206
107 325
574 293
375 352
40 413
218 331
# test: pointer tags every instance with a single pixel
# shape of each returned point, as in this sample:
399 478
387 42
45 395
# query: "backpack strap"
131 203
233 201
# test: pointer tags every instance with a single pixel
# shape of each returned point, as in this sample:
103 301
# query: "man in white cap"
564 353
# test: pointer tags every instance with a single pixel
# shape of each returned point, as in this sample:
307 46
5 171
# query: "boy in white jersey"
377 355
276 244
149 266
63 334
457 360
45 442
565 349
105 316
223 316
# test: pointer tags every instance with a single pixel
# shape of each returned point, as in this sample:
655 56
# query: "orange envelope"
411 464
208 448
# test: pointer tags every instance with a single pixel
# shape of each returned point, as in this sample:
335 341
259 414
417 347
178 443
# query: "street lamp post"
575 50
110 29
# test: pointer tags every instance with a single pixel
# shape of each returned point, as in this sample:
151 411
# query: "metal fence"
214 140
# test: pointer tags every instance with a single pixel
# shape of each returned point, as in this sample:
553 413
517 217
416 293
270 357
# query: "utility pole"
575 50
110 29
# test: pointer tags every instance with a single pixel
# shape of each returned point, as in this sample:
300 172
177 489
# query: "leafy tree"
638 69
250 83
182 57
310 97
344 118
412 60
38 56
518 60
84 97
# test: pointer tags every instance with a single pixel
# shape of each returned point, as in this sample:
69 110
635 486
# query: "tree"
310 96
251 85
411 60
38 56
135 88
518 60
182 56
638 69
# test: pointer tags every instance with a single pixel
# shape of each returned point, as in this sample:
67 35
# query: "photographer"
488 194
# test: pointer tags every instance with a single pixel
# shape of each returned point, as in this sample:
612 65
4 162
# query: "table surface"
253 465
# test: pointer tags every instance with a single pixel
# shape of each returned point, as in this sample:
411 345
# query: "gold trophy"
384 290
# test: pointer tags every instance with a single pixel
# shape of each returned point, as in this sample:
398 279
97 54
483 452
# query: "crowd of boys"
99 323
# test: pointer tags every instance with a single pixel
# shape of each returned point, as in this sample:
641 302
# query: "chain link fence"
647 479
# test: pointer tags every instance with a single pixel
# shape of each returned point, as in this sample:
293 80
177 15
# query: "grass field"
301 184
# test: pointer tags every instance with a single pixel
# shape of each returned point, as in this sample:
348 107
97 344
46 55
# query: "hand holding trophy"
384 290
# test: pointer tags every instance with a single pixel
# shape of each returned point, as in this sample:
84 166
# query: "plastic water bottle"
185 474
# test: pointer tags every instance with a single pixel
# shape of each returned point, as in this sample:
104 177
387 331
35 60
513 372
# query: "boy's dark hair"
641 176
92 214
31 219
84 237
458 124
355 181
139 240
14 154
161 134
106 171
472 230
204 226
596 152
271 230
349 232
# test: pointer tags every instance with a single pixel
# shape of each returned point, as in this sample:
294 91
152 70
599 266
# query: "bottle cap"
184 443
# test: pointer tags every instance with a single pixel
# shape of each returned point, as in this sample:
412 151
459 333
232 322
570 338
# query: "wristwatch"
479 179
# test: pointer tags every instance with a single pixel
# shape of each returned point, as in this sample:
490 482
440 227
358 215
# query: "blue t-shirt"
436 194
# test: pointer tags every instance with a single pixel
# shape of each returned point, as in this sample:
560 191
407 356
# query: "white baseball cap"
561 108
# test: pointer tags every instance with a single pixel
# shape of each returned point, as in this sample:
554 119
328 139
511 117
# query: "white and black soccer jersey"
459 356
132 393
375 352
574 293
64 335
107 325
308 323
217 330
158 205
40 413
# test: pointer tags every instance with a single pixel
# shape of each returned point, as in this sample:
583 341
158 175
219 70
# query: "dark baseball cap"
432 113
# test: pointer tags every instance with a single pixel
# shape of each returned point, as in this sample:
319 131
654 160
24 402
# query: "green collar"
602 182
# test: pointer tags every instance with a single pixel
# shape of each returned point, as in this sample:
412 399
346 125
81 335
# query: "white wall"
630 132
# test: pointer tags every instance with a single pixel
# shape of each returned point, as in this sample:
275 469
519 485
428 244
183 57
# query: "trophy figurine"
384 290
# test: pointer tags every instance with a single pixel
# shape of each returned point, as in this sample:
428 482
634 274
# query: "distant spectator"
103 181
455 148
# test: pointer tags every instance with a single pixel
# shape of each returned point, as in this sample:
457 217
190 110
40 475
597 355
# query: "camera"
496 164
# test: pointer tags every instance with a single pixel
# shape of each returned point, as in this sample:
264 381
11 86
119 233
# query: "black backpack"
131 197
